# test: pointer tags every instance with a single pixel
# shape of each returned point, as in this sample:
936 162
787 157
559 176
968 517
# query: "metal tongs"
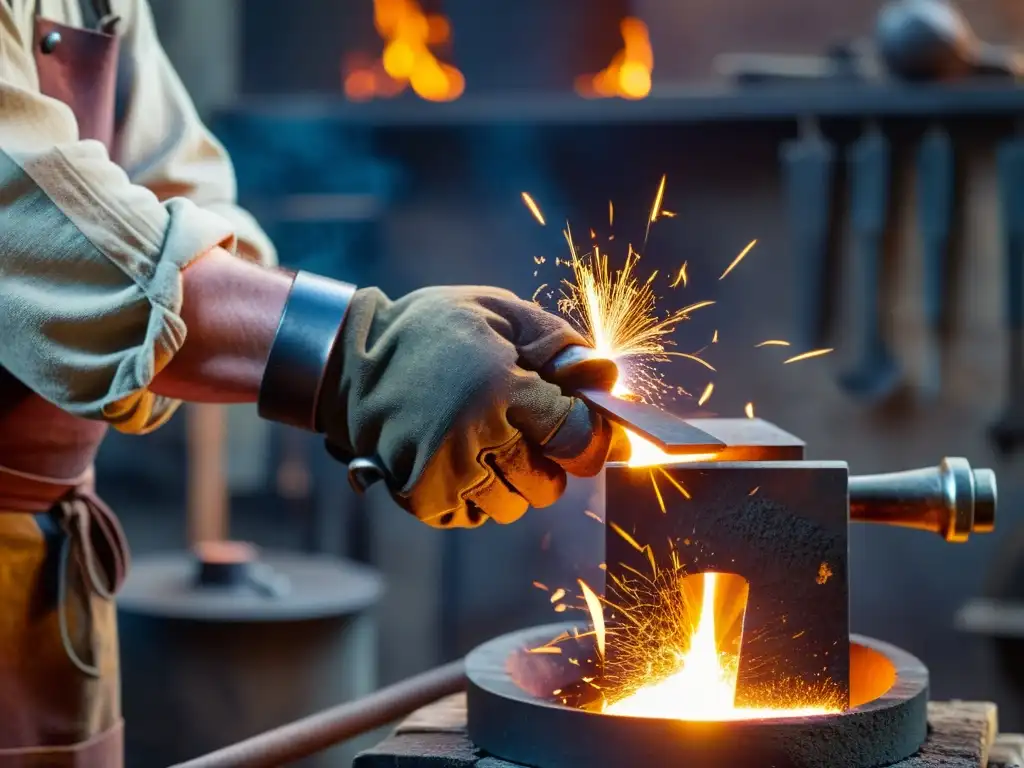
581 375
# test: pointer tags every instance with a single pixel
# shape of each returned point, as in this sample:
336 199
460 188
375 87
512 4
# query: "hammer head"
781 525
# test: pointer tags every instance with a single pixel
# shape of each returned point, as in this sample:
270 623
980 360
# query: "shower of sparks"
738 259
749 410
706 394
680 278
617 313
534 209
807 356
773 343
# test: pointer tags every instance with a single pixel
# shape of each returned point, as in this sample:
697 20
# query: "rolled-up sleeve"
90 263
164 145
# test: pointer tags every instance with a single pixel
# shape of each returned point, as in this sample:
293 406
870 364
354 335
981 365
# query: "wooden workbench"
964 734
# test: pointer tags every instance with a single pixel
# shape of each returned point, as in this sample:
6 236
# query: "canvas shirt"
92 248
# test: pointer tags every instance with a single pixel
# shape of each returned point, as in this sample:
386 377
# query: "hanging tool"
931 40
808 164
572 370
1008 432
936 193
877 375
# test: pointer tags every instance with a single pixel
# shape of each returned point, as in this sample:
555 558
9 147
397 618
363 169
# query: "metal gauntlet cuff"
304 345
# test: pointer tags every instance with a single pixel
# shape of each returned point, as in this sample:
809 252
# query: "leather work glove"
441 387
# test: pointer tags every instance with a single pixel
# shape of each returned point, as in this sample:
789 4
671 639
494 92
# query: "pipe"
952 500
284 745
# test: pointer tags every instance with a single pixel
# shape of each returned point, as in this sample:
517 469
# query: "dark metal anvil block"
761 512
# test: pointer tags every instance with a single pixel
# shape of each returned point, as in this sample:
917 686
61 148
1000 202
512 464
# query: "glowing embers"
409 35
694 677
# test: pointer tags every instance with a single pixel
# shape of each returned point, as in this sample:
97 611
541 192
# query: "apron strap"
94 537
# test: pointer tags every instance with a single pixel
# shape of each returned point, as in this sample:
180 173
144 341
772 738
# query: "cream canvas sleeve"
90 263
165 147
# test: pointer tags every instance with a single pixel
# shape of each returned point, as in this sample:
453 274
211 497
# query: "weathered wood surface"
964 735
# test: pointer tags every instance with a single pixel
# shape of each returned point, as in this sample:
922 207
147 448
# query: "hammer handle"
936 189
808 171
1010 165
870 177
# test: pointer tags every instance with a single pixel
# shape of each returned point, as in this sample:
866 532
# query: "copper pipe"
306 737
952 499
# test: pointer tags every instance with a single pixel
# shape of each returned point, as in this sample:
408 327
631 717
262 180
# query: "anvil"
781 522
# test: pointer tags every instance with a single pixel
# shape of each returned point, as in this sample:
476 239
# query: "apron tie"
94 537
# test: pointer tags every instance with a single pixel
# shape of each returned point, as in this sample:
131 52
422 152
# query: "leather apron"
62 552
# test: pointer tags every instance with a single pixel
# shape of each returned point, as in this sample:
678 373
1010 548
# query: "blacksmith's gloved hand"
442 388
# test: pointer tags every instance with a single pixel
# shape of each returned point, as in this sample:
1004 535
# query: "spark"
538 585
593 235
678 486
680 278
656 208
706 394
755 490
695 307
658 198
749 410
657 492
534 209
626 537
807 356
738 259
611 214
773 343
560 608
668 214
537 292
714 339
596 615
593 515
539 259
557 595
551 649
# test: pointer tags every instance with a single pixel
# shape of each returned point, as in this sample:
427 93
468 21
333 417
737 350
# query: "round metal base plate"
513 714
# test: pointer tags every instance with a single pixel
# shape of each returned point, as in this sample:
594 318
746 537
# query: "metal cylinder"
952 499
205 665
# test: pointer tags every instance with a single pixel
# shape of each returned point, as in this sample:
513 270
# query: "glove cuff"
307 336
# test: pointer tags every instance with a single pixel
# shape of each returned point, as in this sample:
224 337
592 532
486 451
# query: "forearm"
231 310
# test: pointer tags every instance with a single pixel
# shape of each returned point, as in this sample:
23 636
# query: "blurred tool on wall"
913 40
918 42
1008 432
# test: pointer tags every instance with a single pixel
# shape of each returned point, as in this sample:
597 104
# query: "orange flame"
703 686
629 74
408 34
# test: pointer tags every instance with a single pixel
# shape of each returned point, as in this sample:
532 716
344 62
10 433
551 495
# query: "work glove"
441 388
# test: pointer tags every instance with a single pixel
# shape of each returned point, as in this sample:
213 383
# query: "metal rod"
284 745
952 499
